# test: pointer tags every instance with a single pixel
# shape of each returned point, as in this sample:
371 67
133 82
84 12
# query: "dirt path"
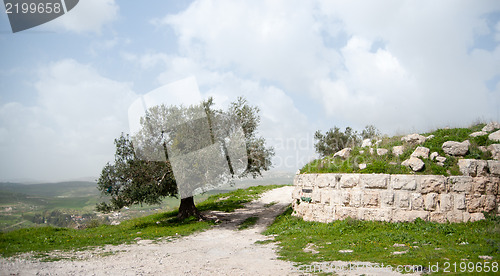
222 250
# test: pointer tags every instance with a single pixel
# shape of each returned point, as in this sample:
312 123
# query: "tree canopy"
182 150
334 139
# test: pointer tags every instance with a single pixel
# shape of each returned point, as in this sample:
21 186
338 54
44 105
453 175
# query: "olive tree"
195 142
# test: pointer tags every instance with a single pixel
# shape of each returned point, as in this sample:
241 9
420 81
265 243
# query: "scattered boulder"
397 150
343 153
495 151
456 148
433 155
478 133
440 159
495 136
430 137
382 151
421 152
362 166
491 126
366 143
414 139
414 163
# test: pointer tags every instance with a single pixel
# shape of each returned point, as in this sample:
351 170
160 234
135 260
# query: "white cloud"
423 72
283 126
69 132
87 16
268 40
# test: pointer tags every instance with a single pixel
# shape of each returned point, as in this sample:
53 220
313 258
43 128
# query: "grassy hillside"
59 189
390 163
156 226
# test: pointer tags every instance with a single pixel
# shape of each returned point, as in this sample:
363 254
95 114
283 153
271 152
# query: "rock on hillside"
343 153
414 138
456 148
491 126
414 163
495 136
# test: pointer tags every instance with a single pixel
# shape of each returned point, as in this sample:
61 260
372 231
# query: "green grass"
248 222
44 239
374 241
391 164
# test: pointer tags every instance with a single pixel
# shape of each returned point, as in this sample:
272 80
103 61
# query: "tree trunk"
187 209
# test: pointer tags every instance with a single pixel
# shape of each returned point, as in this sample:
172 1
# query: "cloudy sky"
403 66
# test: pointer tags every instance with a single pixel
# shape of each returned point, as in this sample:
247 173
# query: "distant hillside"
60 189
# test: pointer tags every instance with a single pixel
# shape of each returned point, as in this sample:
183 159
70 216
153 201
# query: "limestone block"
476 216
403 200
402 215
383 214
433 155
344 153
456 148
387 198
440 159
301 209
416 164
346 198
398 150
495 136
417 201
366 143
475 204
382 151
296 192
473 167
491 126
465 216
403 182
430 201
370 200
478 133
489 203
345 212
460 184
494 167
325 180
438 217
445 202
495 151
455 216
356 199
326 196
459 200
414 138
479 185
316 195
432 184
308 212
349 180
319 213
421 152
374 181
492 186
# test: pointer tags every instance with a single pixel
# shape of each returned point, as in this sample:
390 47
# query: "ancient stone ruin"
326 197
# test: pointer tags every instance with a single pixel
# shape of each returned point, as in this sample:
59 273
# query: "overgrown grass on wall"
391 164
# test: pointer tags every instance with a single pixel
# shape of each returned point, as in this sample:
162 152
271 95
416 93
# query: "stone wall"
331 196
